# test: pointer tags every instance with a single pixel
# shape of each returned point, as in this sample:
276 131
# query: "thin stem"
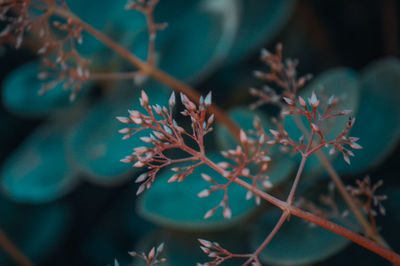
296 180
268 239
13 251
152 71
373 234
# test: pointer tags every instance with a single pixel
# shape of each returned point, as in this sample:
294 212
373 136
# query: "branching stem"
368 228
291 210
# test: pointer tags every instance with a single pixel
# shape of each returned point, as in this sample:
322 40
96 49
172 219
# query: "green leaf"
340 82
36 231
96 145
38 170
260 22
177 204
20 93
378 120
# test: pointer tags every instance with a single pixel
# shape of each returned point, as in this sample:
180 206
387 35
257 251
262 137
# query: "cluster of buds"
19 19
214 251
283 74
152 258
166 134
64 63
251 151
318 114
365 193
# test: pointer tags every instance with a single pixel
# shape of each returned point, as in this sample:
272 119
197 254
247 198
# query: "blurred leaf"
20 93
378 119
38 170
340 82
260 21
195 42
36 231
244 118
177 204
96 145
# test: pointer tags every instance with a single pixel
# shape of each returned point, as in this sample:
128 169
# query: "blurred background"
65 197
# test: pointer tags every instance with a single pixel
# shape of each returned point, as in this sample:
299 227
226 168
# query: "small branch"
296 180
13 251
268 239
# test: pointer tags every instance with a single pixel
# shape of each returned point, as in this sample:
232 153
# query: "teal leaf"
20 93
96 145
36 231
38 170
378 119
340 82
244 118
177 205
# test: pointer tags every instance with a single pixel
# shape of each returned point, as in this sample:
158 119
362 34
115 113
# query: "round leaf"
195 42
38 170
20 93
378 118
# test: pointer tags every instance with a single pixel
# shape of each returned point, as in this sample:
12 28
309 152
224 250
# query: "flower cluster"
317 116
166 134
365 192
152 258
64 64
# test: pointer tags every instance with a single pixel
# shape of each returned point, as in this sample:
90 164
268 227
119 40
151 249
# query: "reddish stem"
271 235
